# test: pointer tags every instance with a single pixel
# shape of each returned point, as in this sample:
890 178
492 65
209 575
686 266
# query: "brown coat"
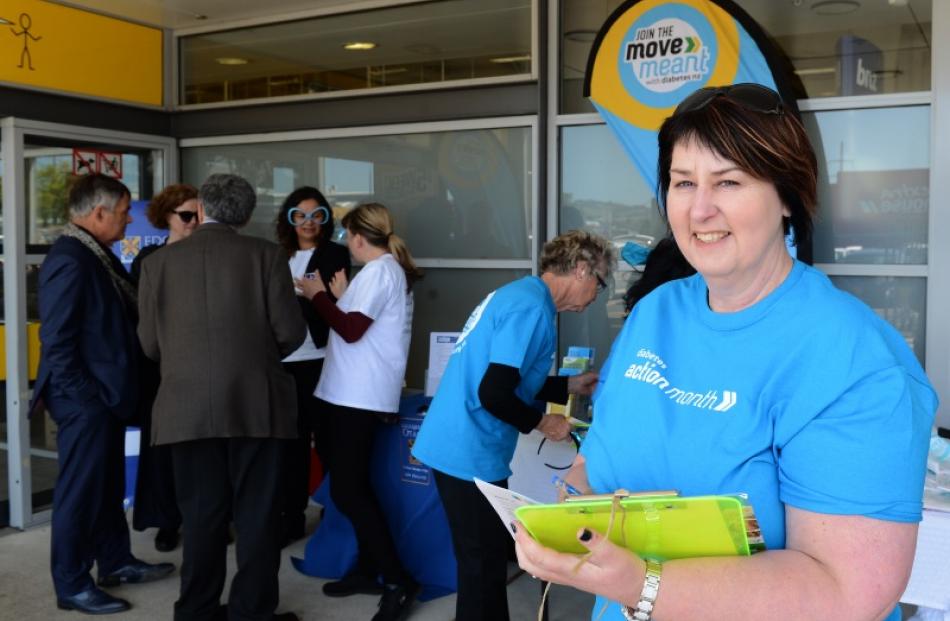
218 312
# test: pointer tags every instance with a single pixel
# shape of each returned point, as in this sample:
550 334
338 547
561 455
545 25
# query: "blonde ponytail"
374 222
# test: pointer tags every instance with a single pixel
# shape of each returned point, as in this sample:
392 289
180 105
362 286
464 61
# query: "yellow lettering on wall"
56 47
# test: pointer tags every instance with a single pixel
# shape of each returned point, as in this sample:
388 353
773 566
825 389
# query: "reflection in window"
874 180
876 48
602 192
456 194
422 43
49 172
902 302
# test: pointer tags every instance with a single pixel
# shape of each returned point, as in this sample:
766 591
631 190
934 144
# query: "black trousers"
88 519
219 479
481 550
351 436
311 431
155 501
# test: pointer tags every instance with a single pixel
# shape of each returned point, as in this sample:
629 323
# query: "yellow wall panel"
61 48
32 350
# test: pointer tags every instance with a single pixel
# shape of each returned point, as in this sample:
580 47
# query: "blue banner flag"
651 54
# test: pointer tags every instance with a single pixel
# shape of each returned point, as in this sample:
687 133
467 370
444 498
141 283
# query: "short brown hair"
771 147
167 201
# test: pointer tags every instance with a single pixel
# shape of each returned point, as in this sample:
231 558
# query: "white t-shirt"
309 349
369 373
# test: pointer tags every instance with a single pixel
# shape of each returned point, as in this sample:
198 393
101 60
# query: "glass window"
901 301
50 165
454 194
602 192
842 47
421 43
874 179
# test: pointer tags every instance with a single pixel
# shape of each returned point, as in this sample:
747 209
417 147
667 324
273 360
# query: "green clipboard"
656 527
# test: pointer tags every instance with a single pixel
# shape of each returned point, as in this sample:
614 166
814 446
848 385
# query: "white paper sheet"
504 502
929 584
441 346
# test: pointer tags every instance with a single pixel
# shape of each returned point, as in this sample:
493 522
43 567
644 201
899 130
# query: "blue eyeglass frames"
297 216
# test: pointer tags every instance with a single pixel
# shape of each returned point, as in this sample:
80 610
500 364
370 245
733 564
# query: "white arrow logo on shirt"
728 400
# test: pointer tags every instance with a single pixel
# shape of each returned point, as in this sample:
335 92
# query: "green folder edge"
659 528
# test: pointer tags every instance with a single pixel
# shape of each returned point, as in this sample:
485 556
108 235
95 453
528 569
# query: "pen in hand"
565 486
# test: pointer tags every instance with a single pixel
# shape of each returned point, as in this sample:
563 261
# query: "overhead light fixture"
835 7
231 60
359 45
888 73
581 35
510 59
897 2
815 71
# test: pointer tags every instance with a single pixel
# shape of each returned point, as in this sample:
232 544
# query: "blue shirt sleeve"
860 455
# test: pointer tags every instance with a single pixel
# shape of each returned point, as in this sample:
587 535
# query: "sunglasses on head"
297 216
754 97
186 216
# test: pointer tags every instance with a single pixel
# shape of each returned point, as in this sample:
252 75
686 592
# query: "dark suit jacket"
327 259
89 352
218 311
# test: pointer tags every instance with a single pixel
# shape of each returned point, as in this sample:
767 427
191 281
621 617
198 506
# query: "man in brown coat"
218 312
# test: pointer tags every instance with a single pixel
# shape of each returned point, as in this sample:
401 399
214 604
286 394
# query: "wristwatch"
651 586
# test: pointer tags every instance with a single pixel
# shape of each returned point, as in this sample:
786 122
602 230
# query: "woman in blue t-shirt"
495 378
755 376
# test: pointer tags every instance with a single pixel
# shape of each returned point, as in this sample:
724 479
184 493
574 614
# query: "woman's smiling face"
727 223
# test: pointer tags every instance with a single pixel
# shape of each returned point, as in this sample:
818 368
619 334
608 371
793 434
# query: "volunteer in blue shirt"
755 375
489 392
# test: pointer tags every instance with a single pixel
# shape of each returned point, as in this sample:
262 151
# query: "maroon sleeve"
350 326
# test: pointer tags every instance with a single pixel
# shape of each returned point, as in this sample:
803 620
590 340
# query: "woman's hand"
583 384
554 427
338 284
611 571
310 285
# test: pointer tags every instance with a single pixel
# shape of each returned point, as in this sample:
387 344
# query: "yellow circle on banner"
606 86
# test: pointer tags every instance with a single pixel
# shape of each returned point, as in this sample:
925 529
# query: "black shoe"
352 584
396 600
93 601
166 539
135 572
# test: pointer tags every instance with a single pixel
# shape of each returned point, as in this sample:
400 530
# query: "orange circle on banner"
606 87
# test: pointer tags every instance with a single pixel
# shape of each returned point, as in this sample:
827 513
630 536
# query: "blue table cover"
407 493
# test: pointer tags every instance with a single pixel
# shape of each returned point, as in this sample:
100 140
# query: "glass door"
47 158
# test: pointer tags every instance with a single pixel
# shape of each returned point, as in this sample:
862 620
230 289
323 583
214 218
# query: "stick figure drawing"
26 22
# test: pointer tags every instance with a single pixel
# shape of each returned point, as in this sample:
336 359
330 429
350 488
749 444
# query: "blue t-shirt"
807 398
513 326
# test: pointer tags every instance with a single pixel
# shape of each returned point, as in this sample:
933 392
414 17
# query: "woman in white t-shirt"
304 229
360 387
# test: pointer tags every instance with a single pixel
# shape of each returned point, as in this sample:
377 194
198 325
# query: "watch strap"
651 587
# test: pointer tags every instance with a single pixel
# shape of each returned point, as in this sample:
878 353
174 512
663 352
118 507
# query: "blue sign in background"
138 234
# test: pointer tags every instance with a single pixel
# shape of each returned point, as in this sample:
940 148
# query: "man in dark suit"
88 382
218 312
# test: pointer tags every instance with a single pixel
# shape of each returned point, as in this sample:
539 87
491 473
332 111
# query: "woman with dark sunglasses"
304 229
175 208
762 378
